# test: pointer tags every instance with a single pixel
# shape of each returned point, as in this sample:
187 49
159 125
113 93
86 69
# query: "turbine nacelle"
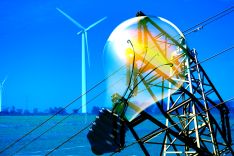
91 26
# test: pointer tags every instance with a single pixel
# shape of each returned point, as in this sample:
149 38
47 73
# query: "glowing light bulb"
144 50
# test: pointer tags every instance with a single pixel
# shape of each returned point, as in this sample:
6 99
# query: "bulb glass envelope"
142 47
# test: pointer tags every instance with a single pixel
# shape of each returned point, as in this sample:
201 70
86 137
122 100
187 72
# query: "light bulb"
146 58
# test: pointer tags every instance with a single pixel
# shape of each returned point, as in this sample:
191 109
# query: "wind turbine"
84 48
1 91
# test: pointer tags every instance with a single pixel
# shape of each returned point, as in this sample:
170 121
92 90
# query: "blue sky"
41 53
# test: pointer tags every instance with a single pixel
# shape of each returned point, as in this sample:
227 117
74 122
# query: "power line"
69 139
208 20
36 138
205 22
177 123
202 26
62 109
217 54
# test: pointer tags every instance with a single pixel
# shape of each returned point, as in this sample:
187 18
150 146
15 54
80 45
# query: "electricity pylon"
196 119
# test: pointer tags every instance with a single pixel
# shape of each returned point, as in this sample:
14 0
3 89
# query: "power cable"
224 12
202 26
62 109
36 138
205 22
69 139
217 54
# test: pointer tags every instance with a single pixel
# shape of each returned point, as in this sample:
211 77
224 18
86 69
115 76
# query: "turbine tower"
1 91
84 48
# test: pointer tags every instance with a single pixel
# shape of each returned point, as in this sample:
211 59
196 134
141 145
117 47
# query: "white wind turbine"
1 92
84 48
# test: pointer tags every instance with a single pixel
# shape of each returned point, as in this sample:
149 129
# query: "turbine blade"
87 47
4 80
80 32
94 24
71 19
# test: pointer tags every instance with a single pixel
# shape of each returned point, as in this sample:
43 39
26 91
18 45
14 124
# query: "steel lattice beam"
190 127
